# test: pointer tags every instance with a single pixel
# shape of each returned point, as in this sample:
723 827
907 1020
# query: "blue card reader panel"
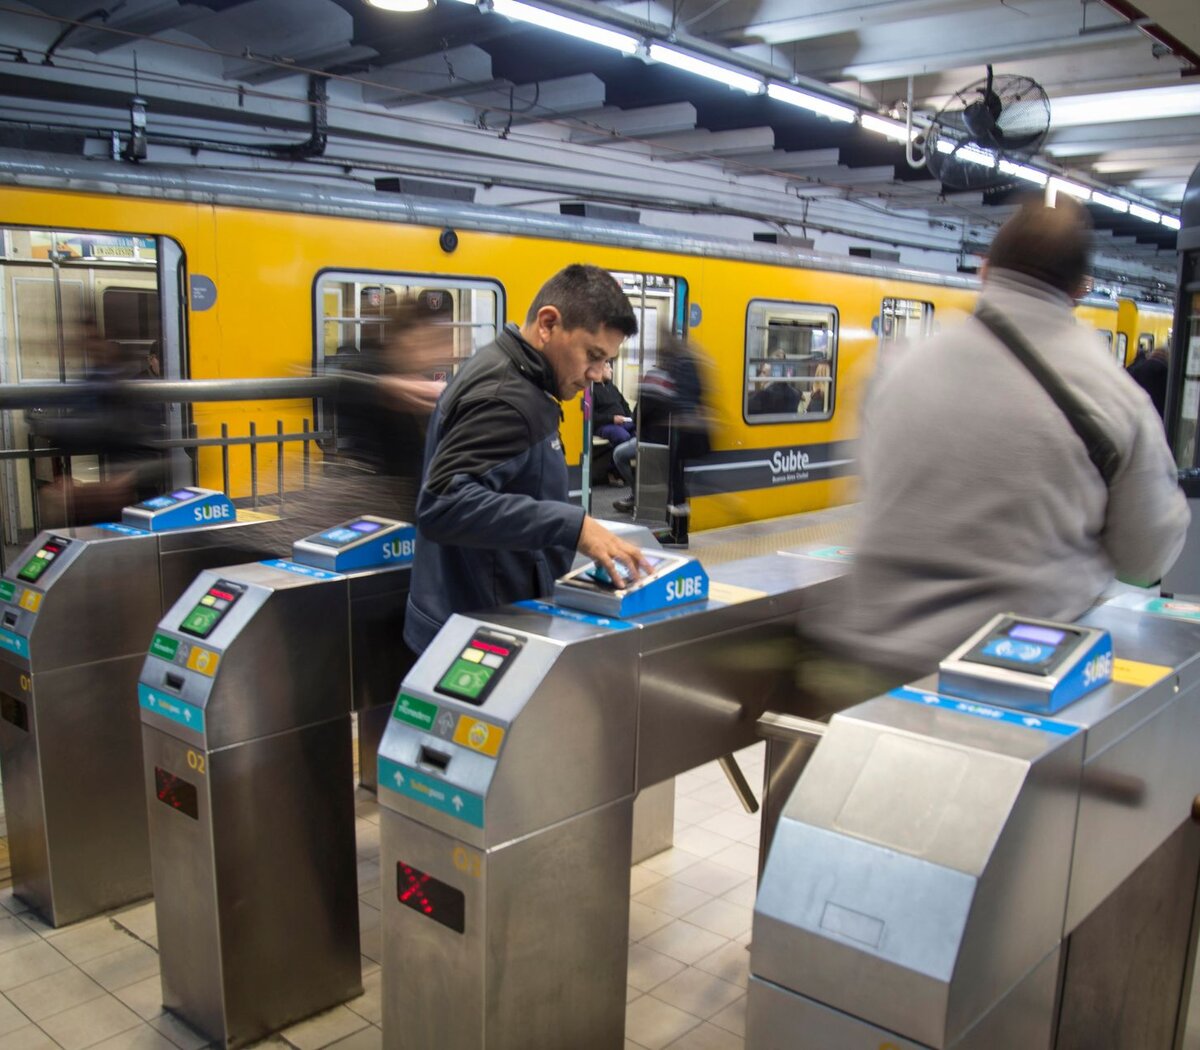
186 508
672 580
365 542
1033 665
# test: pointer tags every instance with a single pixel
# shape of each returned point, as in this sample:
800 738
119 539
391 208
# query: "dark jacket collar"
530 363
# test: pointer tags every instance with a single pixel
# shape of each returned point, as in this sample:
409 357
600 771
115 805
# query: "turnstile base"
778 1019
256 896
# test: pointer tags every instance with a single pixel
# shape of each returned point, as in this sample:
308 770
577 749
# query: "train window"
791 362
1145 342
1107 336
356 312
901 319
1122 347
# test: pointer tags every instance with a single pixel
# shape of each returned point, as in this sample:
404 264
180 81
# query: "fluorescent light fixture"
1115 203
891 129
967 153
1071 189
594 34
1114 107
813 103
701 67
1149 214
401 5
1024 171
1170 222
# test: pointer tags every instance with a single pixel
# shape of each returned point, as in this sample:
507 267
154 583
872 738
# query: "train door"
358 314
75 306
660 303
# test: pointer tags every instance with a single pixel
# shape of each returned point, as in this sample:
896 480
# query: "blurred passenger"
672 409
103 421
494 518
979 495
818 399
1149 371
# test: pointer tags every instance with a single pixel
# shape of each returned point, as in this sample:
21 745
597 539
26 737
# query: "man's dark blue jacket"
493 522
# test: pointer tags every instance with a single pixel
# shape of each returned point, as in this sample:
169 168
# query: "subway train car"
226 276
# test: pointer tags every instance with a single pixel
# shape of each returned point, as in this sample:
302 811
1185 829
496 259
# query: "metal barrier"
68 395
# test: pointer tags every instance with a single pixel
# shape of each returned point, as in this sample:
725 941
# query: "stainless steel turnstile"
506 818
249 784
958 874
77 610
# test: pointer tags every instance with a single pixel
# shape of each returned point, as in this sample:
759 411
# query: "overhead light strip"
1093 109
813 103
702 67
575 27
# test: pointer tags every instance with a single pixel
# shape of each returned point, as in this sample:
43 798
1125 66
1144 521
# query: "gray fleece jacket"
979 497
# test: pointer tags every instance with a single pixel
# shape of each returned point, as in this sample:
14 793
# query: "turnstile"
507 777
76 611
984 874
245 699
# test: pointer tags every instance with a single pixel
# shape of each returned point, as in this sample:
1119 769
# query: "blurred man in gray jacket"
979 497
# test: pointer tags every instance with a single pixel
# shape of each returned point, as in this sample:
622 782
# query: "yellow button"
208 599
478 735
31 600
203 660
473 655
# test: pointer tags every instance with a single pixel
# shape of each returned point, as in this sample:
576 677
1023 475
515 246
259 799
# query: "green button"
466 679
163 646
200 620
7 590
419 713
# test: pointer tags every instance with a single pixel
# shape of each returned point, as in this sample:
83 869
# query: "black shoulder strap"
1100 449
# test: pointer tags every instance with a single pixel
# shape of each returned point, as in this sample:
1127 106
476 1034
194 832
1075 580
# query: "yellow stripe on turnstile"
255 515
731 593
1134 672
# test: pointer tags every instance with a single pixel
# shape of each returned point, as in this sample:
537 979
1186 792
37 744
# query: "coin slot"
173 681
433 758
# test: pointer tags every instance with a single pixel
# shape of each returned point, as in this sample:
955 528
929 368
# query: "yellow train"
241 277
1128 326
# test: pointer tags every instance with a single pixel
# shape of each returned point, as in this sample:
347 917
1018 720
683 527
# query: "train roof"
243 190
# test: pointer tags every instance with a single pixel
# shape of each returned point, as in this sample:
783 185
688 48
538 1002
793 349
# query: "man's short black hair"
587 297
1052 245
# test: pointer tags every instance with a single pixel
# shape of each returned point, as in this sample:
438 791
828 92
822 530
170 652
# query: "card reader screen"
162 502
430 897
349 533
1030 647
479 666
1032 632
600 575
43 559
211 608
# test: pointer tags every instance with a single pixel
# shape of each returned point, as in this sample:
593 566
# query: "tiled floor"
96 984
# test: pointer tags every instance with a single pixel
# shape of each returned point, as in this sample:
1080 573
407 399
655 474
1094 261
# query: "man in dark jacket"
494 522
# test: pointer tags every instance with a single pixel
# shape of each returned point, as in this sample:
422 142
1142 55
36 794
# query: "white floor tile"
14 933
711 877
648 968
369 1038
683 941
10 1017
698 993
325 1028
54 993
708 1036
125 967
721 917
91 1023
730 962
643 921
732 1018
90 940
653 1024
143 997
672 897
22 965
141 1038
28 1037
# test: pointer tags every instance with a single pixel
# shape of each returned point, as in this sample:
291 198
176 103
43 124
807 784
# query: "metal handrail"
45 395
